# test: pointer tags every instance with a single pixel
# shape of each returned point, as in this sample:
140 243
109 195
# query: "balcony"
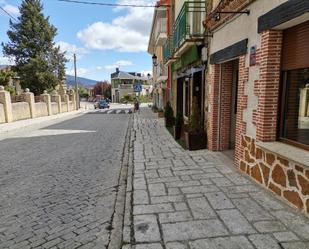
126 86
168 50
161 32
188 27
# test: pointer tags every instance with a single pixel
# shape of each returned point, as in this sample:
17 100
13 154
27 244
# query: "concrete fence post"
57 98
73 98
5 99
46 98
29 98
66 100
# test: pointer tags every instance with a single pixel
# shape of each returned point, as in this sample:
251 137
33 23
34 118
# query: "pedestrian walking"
136 105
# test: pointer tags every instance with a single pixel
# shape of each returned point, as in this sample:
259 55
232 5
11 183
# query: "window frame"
282 104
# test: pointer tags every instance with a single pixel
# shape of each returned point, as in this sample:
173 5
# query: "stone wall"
20 111
2 116
64 107
282 176
54 108
40 109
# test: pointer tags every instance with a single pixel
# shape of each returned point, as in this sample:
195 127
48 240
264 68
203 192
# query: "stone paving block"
235 242
175 217
199 189
218 200
140 197
146 228
188 172
156 189
269 226
264 241
201 209
185 178
237 195
222 181
175 245
180 206
295 245
154 208
285 236
164 179
206 175
298 223
206 181
190 196
267 201
235 222
173 191
241 189
151 174
139 183
182 184
149 246
238 179
166 199
252 210
165 172
190 230
210 170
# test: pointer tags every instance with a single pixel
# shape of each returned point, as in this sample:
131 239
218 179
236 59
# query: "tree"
104 88
6 76
39 64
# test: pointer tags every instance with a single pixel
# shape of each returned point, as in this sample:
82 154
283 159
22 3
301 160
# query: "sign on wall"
253 56
137 88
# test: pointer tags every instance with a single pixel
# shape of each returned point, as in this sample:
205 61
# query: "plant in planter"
178 126
155 109
160 113
169 115
195 136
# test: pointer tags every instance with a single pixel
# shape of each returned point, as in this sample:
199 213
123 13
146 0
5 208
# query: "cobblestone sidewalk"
193 200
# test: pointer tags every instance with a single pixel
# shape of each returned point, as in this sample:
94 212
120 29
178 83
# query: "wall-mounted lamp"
155 60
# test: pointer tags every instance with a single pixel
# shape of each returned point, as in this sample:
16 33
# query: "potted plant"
178 126
160 113
169 115
155 109
195 137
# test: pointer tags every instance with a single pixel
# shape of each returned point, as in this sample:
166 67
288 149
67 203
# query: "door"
179 95
197 91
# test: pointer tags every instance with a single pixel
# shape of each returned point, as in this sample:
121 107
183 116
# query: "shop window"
294 126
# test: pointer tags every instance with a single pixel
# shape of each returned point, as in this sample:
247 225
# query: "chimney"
117 69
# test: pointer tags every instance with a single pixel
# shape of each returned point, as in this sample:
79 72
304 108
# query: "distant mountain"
70 80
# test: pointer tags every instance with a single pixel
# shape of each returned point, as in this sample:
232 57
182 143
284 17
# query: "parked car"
103 104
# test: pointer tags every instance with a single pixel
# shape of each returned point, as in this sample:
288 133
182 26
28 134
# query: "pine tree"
39 64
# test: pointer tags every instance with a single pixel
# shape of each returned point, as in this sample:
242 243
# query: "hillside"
70 80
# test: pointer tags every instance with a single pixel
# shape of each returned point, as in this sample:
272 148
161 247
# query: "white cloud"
80 72
119 64
127 33
6 61
71 49
11 9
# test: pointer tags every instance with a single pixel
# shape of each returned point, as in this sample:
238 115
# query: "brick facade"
268 85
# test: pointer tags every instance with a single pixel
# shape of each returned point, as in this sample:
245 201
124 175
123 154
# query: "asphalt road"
58 184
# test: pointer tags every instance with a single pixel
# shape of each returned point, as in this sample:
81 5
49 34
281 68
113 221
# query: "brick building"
258 91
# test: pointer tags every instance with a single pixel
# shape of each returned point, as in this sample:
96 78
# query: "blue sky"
102 37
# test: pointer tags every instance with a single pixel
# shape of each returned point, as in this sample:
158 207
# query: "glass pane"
296 111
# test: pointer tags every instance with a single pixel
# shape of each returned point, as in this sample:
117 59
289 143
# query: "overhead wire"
110 4
8 14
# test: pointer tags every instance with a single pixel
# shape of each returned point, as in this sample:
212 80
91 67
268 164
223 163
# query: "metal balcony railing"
168 49
188 24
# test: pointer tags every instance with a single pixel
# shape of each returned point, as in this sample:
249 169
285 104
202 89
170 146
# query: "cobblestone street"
197 200
58 183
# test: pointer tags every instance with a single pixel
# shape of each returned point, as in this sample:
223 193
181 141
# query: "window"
295 107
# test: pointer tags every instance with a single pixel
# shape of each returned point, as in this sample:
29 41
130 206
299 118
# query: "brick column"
242 101
29 98
212 131
269 82
46 98
5 99
225 104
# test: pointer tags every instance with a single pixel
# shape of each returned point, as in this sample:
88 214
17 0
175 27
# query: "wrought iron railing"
168 49
188 23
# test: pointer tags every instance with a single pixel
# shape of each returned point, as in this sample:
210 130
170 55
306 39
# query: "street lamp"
155 60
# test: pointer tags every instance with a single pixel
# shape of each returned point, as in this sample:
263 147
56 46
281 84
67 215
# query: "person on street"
136 105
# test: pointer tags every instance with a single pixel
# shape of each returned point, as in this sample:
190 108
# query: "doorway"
180 95
197 92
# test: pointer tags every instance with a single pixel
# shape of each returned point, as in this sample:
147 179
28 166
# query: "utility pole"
76 84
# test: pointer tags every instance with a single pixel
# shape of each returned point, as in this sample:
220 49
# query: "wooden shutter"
295 51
